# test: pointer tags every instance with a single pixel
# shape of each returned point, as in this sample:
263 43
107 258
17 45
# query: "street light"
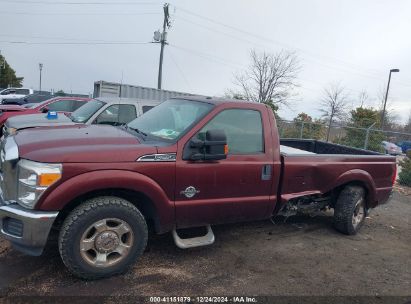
40 67
386 97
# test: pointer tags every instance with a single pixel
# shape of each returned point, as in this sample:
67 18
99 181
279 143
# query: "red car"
59 104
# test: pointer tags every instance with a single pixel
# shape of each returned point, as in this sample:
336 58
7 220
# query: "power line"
78 14
79 3
216 59
260 45
220 32
309 53
179 69
64 38
221 61
76 43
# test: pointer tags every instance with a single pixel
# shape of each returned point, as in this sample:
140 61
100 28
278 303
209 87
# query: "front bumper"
26 229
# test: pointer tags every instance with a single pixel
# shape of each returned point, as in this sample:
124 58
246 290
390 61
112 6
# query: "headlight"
33 179
11 131
8 131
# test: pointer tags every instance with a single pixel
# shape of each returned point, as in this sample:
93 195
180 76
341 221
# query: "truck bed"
321 147
315 167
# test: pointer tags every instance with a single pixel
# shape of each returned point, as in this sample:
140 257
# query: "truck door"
234 189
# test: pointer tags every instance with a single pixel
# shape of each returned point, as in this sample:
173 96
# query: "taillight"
394 175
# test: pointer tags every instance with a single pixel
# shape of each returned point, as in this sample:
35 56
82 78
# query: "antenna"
119 99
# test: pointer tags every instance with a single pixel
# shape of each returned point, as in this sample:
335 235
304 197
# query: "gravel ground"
303 256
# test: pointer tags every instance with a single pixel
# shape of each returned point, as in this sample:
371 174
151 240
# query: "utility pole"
40 68
162 39
386 97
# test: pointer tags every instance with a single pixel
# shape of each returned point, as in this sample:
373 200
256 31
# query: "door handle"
266 172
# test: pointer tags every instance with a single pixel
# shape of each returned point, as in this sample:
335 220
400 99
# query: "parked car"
405 146
111 111
32 98
14 93
391 148
189 162
58 104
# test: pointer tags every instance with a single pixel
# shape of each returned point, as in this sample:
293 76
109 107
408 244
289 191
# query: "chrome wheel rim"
106 242
359 212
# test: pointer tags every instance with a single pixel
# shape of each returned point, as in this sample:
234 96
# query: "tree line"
8 76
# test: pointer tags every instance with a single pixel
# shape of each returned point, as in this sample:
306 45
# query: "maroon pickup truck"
189 162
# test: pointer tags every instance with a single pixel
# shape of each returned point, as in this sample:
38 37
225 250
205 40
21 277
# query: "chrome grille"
5 130
8 175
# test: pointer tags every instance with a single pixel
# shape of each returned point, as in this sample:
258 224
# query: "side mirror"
45 110
214 147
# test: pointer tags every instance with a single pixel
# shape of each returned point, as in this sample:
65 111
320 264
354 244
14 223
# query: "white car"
104 110
391 148
13 93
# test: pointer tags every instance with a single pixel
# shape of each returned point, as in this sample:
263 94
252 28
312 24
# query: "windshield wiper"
136 130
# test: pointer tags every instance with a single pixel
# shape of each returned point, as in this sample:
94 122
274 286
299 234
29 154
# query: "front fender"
60 195
357 175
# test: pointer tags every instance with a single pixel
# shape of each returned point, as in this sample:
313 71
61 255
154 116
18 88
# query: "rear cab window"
22 91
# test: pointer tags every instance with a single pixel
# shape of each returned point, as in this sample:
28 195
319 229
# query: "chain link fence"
363 138
404 168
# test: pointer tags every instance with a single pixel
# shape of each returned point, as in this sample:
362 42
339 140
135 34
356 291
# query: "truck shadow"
278 227
46 274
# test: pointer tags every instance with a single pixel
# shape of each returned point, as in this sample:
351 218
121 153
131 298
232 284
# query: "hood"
37 120
81 143
14 108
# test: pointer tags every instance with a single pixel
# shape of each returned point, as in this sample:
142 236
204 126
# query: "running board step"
204 240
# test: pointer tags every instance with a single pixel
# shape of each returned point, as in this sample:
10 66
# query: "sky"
351 42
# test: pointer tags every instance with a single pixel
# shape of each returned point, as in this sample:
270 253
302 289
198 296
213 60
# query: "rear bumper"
26 229
383 196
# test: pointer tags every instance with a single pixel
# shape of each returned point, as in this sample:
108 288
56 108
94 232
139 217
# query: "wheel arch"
142 202
360 178
137 188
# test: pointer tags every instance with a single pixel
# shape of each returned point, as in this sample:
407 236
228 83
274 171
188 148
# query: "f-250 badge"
190 191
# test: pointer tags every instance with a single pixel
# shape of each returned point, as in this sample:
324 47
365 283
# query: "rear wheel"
350 210
102 237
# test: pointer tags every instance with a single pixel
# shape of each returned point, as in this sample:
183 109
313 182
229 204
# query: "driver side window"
117 115
242 127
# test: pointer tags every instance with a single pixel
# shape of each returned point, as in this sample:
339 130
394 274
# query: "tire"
350 210
102 237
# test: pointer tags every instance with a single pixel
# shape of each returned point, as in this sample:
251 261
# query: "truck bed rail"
321 147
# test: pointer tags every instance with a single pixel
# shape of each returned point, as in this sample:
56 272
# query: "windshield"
171 119
84 113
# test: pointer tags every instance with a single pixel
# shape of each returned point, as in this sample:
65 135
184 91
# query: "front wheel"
102 237
350 210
